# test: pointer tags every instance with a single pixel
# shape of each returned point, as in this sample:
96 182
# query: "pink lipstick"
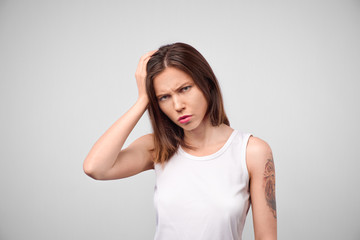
184 119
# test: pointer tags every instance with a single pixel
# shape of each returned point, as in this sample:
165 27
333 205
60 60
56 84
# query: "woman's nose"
178 103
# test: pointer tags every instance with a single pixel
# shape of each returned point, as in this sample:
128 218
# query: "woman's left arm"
261 170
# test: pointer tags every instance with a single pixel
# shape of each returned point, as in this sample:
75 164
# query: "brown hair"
167 135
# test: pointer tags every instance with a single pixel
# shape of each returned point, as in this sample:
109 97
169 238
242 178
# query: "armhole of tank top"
244 147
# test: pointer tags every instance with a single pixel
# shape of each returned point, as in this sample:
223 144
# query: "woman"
207 173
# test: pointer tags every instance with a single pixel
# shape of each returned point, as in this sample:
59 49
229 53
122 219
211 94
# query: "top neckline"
213 155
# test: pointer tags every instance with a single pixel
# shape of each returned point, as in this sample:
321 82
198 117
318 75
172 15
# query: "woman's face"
179 98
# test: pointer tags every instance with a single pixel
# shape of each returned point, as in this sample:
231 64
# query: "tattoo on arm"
269 179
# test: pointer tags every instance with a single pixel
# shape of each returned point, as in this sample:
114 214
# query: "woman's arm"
262 188
106 159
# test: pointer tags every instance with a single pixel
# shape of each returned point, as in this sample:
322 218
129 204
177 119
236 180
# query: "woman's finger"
147 55
141 69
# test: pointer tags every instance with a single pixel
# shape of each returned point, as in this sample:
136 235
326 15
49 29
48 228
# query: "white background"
289 72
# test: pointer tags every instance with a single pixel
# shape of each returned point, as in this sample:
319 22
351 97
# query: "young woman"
207 174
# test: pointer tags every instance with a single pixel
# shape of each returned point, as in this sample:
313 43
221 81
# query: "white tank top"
203 198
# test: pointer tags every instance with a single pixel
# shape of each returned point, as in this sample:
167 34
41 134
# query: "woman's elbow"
91 171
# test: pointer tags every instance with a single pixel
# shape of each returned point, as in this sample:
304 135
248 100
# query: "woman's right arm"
106 159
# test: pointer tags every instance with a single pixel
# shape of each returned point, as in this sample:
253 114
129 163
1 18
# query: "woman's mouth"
184 119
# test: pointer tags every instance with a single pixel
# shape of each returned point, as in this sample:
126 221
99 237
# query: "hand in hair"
140 74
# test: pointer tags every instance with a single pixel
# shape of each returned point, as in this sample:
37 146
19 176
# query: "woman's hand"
140 74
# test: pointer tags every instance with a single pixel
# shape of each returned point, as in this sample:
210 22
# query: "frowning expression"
179 98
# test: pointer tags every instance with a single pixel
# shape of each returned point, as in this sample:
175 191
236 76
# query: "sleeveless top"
203 198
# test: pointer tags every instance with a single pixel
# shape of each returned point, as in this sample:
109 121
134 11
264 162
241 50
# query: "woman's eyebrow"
183 85
176 89
161 95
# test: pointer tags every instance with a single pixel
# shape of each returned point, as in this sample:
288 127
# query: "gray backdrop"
289 72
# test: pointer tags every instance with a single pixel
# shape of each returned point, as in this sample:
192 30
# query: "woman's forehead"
170 80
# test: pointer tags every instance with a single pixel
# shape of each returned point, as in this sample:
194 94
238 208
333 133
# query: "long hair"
167 135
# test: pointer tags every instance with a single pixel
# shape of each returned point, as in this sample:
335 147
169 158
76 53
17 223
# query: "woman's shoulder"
258 153
146 140
257 145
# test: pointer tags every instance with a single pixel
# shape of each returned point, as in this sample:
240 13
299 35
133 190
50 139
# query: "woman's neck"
207 135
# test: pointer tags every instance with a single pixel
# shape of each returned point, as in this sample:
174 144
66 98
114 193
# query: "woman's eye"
162 98
185 88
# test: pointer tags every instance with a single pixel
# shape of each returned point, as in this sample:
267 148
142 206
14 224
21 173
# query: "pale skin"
178 96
